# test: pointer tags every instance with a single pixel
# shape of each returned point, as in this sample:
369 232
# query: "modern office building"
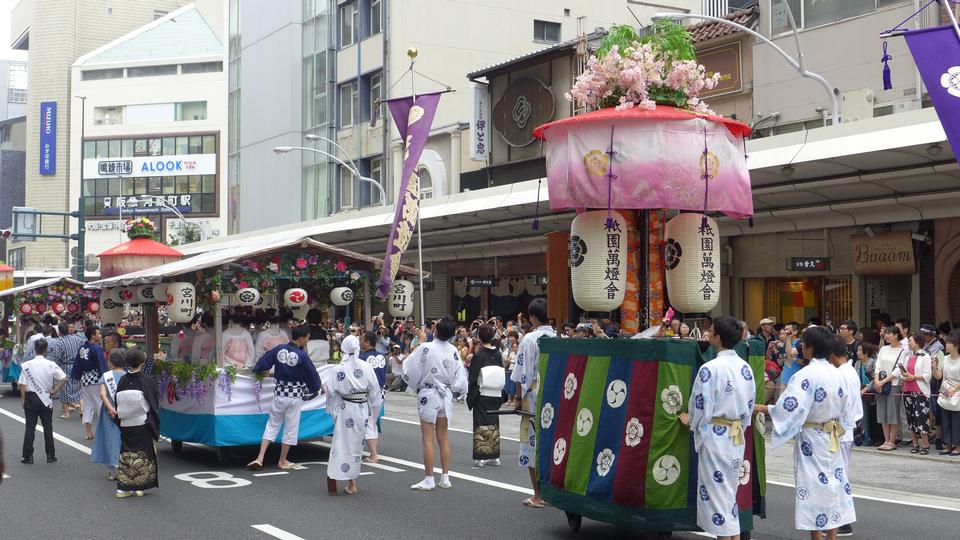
13 89
12 141
56 33
153 122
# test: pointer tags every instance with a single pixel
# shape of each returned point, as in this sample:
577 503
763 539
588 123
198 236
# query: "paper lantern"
111 293
400 303
181 302
59 308
300 312
126 295
26 309
40 308
73 308
111 311
248 296
341 296
598 260
93 307
692 258
160 293
295 298
145 294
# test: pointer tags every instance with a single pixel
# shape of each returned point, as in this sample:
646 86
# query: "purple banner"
413 120
936 52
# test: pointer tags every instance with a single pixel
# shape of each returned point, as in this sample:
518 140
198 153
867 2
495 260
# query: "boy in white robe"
814 410
353 396
435 371
720 412
851 391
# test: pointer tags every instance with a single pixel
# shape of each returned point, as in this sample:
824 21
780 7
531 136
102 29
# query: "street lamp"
352 168
797 64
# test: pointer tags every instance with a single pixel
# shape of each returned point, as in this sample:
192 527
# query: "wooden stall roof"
39 284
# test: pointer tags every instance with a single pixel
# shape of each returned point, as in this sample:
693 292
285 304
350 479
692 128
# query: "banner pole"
953 19
412 53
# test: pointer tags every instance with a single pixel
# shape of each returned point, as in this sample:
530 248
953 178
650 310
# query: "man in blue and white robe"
720 412
813 410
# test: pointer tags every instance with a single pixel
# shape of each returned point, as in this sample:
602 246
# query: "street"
198 497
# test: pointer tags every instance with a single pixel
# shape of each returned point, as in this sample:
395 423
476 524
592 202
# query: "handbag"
887 388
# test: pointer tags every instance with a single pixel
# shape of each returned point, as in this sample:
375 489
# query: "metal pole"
953 20
81 225
423 317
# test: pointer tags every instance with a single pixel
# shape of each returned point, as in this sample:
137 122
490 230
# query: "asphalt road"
72 498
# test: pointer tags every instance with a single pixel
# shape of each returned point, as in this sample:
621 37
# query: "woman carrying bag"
949 400
886 380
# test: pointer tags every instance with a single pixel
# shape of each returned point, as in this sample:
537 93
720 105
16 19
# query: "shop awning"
224 256
40 284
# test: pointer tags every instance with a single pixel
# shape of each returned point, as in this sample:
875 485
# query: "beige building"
56 33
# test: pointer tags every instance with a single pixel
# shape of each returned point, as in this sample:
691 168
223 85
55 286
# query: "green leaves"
671 40
621 35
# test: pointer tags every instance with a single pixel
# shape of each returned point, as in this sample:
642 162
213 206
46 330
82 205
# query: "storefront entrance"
798 299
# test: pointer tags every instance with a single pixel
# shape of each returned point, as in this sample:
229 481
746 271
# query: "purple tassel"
887 80
536 217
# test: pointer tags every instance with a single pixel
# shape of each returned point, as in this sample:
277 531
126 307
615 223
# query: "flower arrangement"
194 380
630 70
68 293
140 227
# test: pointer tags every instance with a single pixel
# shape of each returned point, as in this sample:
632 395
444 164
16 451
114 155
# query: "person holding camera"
886 380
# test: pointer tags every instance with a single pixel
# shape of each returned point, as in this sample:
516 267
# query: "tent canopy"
39 285
225 256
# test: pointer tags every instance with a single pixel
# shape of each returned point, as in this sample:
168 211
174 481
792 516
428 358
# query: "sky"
5 52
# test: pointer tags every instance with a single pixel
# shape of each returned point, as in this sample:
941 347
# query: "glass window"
208 203
155 185
183 184
196 145
126 186
546 32
376 91
103 149
194 184
349 24
209 144
100 74
139 186
89 187
182 147
89 149
426 183
817 12
201 67
376 17
169 185
349 103
191 110
155 147
376 173
17 76
115 148
126 148
346 187
100 187
152 71
140 147
169 146
98 206
208 183
113 186
233 122
89 208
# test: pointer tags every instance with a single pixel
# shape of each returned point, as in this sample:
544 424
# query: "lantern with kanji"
341 296
692 257
181 302
598 260
400 301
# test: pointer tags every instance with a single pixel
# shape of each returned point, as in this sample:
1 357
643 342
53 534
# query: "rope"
905 21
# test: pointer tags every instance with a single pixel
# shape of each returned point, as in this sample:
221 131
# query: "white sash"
34 386
111 381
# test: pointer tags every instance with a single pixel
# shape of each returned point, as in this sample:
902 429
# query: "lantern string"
706 177
610 178
536 216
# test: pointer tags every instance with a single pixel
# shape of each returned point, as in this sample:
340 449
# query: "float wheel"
574 521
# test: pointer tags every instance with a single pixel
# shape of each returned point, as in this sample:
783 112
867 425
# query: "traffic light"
5 233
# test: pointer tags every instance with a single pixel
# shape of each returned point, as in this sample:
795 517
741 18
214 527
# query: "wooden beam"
558 277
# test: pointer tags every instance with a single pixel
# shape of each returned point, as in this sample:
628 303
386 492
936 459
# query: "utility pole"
81 214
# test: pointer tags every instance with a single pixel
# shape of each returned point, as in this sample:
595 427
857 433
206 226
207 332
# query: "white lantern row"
598 260
400 301
692 258
111 311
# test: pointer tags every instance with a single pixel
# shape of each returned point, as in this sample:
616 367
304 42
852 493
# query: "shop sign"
884 254
110 168
876 294
526 104
48 137
140 166
480 124
133 206
725 60
808 264
481 282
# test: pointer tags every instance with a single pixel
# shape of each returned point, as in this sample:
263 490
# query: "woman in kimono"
353 394
435 371
816 411
139 420
484 393
106 443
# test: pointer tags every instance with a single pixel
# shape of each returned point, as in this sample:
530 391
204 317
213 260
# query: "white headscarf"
350 348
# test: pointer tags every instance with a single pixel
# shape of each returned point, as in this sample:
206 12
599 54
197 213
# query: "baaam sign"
884 254
725 60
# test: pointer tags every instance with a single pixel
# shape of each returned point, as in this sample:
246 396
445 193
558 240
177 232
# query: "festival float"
222 403
610 446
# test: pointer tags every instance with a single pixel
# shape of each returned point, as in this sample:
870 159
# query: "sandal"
532 504
925 450
254 466
885 447
915 450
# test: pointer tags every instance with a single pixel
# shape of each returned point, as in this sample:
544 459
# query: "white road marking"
272 473
382 466
417 423
275 532
73 444
5 476
367 473
453 474
922 501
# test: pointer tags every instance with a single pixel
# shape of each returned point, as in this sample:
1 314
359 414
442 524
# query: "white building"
155 122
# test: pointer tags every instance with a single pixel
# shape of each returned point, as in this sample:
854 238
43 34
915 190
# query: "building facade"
13 89
153 125
56 33
12 141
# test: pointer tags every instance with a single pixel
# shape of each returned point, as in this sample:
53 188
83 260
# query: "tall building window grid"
320 32
348 16
17 83
348 94
233 115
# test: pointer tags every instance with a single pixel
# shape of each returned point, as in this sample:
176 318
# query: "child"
106 443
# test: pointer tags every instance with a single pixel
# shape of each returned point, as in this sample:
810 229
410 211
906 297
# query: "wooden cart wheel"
223 454
574 521
177 446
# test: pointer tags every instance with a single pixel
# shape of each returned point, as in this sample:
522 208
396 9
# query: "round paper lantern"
295 298
127 295
26 309
111 311
93 307
73 308
181 302
145 294
598 260
300 312
341 296
248 296
40 308
59 308
401 299
692 258
111 293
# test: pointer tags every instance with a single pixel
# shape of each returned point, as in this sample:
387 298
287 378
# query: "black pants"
33 409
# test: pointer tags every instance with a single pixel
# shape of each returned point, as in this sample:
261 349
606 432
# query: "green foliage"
671 40
621 35
231 372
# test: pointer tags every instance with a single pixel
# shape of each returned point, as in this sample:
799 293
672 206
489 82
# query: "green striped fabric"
670 440
582 440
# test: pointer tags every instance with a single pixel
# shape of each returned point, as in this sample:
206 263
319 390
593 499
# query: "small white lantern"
598 260
341 296
181 302
111 311
127 295
295 298
300 312
248 296
111 293
400 302
146 294
692 257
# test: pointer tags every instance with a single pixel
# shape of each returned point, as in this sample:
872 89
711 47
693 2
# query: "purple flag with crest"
936 52
413 120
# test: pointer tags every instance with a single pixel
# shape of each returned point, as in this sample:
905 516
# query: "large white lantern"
111 311
300 312
400 302
127 295
248 296
112 293
146 294
341 296
181 302
598 260
692 257
294 298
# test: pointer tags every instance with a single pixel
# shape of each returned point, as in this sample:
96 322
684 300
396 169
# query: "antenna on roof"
635 16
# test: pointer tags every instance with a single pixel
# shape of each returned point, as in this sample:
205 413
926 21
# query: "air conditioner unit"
856 105
896 107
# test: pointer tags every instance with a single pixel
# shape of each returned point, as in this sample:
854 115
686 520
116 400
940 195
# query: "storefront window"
800 299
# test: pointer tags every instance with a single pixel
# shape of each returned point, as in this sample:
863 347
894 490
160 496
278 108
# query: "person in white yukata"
353 399
435 371
815 410
527 376
297 381
720 412
851 390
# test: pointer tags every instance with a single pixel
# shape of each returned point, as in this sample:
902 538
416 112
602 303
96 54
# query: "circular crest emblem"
672 253
578 250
